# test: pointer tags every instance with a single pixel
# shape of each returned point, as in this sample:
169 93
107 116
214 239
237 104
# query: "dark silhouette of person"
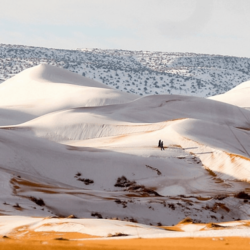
159 144
162 148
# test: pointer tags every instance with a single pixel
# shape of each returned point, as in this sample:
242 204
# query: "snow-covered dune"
238 96
44 88
144 114
70 145
19 227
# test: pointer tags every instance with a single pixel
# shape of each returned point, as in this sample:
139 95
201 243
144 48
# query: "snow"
44 89
67 140
104 228
94 227
238 96
9 223
192 227
138 72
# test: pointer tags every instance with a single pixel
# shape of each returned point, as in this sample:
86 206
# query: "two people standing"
160 145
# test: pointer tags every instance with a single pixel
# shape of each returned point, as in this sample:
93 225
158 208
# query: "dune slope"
93 152
238 96
44 89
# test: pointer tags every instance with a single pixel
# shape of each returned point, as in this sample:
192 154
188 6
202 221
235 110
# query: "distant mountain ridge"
138 72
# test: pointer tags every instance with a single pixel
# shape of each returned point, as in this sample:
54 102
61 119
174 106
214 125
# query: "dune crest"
238 96
45 88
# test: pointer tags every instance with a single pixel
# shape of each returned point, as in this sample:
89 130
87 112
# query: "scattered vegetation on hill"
139 72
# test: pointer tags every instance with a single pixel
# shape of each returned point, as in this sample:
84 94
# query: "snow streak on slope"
139 72
96 155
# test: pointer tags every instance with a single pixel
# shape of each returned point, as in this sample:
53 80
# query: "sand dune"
238 96
23 227
43 89
69 145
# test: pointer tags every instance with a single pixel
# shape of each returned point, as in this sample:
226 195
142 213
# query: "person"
159 144
162 148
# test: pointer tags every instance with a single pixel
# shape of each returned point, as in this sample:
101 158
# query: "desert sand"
136 244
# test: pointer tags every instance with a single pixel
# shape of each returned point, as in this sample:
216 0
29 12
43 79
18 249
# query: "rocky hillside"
138 72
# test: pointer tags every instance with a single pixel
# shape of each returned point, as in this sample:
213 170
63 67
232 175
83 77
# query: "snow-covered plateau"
138 72
70 145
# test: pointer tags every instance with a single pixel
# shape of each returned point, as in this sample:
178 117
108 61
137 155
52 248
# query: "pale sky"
200 26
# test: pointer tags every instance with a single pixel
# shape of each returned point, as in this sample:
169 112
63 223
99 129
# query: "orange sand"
134 244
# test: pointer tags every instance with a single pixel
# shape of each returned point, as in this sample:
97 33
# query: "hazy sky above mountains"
201 26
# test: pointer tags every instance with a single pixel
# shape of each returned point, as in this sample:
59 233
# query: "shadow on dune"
9 117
